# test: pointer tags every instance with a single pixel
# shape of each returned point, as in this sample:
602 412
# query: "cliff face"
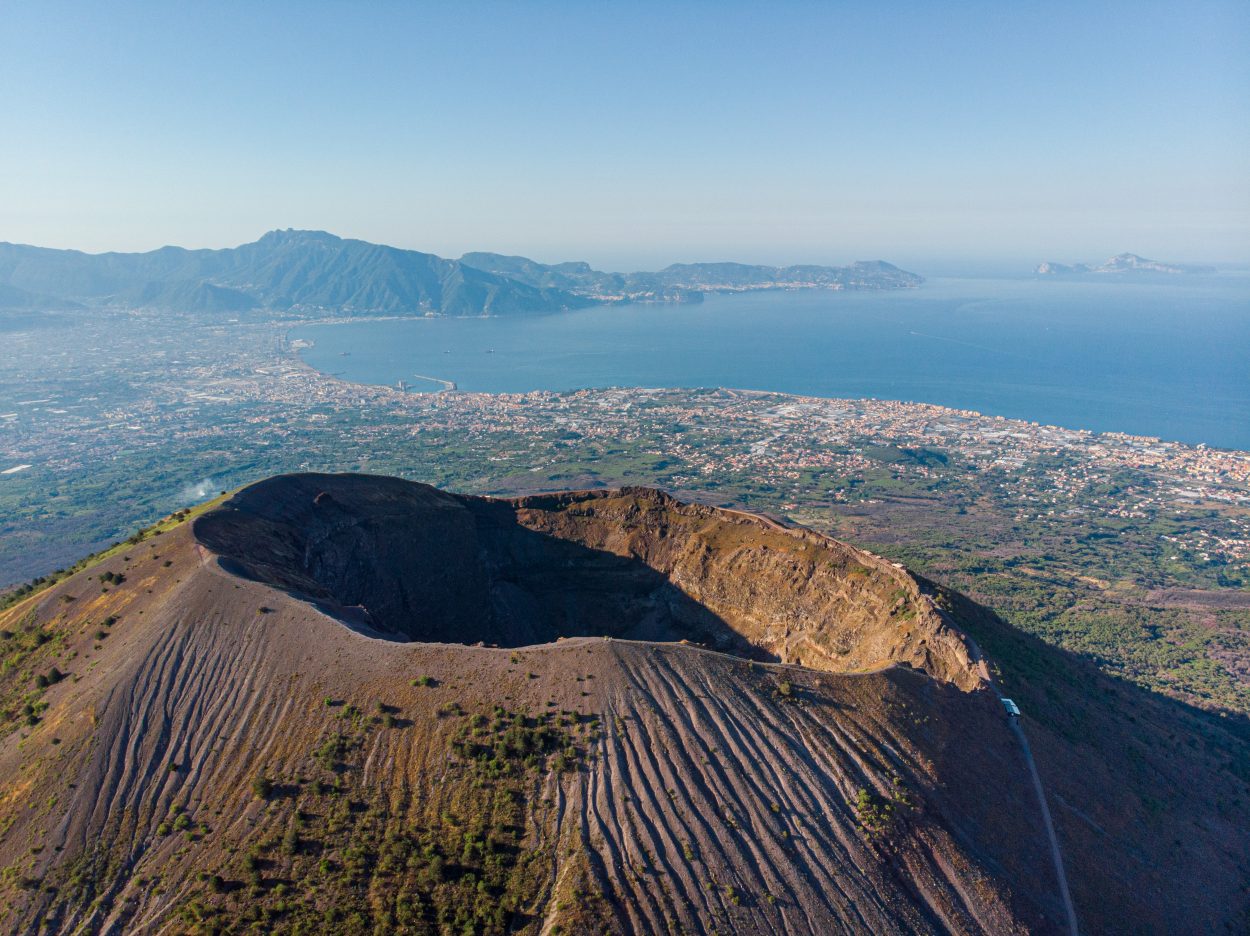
793 595
191 739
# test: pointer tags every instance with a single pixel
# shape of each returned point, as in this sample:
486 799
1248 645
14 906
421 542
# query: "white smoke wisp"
200 490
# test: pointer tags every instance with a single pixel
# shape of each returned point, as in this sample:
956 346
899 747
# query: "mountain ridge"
288 271
306 273
686 282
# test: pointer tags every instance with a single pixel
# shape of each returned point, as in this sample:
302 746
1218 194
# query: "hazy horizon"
627 261
636 137
768 254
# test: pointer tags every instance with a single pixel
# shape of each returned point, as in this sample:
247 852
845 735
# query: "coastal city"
112 420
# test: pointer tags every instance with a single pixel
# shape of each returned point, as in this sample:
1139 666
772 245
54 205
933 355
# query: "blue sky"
634 134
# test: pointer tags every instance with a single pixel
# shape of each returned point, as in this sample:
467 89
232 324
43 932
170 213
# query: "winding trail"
1055 854
1050 827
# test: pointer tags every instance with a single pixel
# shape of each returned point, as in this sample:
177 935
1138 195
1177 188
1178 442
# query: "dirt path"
1050 828
759 518
1055 854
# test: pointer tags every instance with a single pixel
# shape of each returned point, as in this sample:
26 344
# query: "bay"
1161 358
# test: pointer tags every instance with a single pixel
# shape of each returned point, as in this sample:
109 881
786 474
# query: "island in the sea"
307 273
1121 264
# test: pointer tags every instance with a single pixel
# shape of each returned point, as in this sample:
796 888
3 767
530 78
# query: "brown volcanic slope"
214 749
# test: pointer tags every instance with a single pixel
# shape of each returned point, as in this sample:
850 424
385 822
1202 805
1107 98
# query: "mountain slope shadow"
1150 796
433 568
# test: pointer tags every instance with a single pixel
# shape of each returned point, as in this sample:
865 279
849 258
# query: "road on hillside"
984 668
1050 827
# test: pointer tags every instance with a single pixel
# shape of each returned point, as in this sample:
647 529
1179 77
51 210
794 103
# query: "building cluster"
108 389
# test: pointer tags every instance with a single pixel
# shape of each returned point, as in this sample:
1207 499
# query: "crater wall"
409 562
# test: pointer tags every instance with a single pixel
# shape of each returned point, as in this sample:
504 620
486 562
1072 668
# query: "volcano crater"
407 562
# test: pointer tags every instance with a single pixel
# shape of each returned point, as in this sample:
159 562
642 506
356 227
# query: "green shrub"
874 813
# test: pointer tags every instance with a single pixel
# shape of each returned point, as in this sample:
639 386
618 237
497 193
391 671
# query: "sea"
1166 357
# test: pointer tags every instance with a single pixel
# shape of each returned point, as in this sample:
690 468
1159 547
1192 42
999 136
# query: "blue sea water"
1168 358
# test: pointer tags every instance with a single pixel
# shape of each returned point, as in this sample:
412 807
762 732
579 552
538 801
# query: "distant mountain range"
1122 263
686 281
294 271
312 272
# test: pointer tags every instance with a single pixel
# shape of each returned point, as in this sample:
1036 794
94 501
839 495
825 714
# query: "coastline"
1211 468
997 347
1010 422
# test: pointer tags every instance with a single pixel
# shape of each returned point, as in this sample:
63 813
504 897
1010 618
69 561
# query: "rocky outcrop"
797 596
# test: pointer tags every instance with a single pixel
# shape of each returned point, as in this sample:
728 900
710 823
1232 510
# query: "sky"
634 134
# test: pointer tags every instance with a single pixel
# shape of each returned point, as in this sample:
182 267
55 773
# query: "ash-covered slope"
204 745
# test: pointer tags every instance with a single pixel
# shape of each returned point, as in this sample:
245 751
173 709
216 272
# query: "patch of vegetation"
50 678
874 813
878 815
111 578
331 753
27 669
510 744
462 854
